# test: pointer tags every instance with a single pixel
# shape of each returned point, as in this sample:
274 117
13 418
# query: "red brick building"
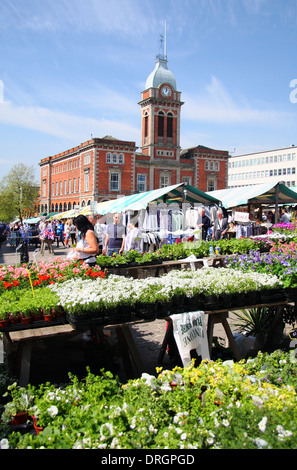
104 168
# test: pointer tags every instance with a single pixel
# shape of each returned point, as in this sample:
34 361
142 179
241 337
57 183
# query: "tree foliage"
18 191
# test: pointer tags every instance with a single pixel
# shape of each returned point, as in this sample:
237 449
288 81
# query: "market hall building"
106 168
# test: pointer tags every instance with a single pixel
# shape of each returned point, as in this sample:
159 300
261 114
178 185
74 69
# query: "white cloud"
114 16
63 125
216 105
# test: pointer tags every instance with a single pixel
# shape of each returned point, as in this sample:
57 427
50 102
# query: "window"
61 187
87 180
170 125
65 187
87 158
293 171
57 188
146 126
114 158
141 182
53 190
121 158
69 186
164 181
108 157
160 124
215 166
44 188
187 179
114 182
280 171
284 171
211 184
74 185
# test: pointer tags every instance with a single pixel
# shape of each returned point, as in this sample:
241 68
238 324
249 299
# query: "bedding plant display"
203 407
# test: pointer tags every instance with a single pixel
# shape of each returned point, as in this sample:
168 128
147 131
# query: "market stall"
243 201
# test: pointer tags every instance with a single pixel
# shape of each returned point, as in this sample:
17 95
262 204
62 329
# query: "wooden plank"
24 335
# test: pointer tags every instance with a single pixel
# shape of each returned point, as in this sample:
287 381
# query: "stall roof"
31 220
174 193
256 194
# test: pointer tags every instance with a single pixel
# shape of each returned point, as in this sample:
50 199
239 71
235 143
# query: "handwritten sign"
189 330
242 217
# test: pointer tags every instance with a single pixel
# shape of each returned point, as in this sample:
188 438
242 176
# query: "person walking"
60 233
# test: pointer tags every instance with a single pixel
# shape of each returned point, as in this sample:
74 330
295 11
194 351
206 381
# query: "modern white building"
263 167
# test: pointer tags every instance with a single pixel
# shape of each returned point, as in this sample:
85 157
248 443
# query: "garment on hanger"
191 218
150 222
176 220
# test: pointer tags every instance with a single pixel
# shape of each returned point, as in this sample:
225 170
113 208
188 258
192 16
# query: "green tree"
18 191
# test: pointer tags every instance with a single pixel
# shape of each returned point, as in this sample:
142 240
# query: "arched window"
146 125
170 125
160 124
69 206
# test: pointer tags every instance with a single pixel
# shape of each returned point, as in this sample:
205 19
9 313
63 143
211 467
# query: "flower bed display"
280 262
203 407
45 273
117 298
183 250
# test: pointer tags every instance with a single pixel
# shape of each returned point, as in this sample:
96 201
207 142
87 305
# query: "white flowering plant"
78 296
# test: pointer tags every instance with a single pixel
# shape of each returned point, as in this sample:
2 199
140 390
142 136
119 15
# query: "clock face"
166 91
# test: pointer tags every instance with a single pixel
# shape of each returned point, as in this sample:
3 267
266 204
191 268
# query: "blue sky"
70 69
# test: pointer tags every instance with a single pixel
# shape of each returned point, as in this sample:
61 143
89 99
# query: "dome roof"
161 74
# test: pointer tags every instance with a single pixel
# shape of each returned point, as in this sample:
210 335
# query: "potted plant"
17 409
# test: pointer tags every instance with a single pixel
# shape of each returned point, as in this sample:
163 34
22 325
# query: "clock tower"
160 118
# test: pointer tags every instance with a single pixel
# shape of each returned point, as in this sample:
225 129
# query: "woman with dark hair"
87 247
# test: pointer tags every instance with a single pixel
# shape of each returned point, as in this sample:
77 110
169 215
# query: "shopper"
115 237
67 231
203 222
47 236
60 233
87 247
72 232
132 239
220 227
285 219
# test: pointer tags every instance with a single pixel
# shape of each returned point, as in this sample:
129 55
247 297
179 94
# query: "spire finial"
165 52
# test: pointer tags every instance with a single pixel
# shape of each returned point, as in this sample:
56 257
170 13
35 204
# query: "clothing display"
247 230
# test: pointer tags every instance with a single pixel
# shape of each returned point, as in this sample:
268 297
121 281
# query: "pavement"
52 358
